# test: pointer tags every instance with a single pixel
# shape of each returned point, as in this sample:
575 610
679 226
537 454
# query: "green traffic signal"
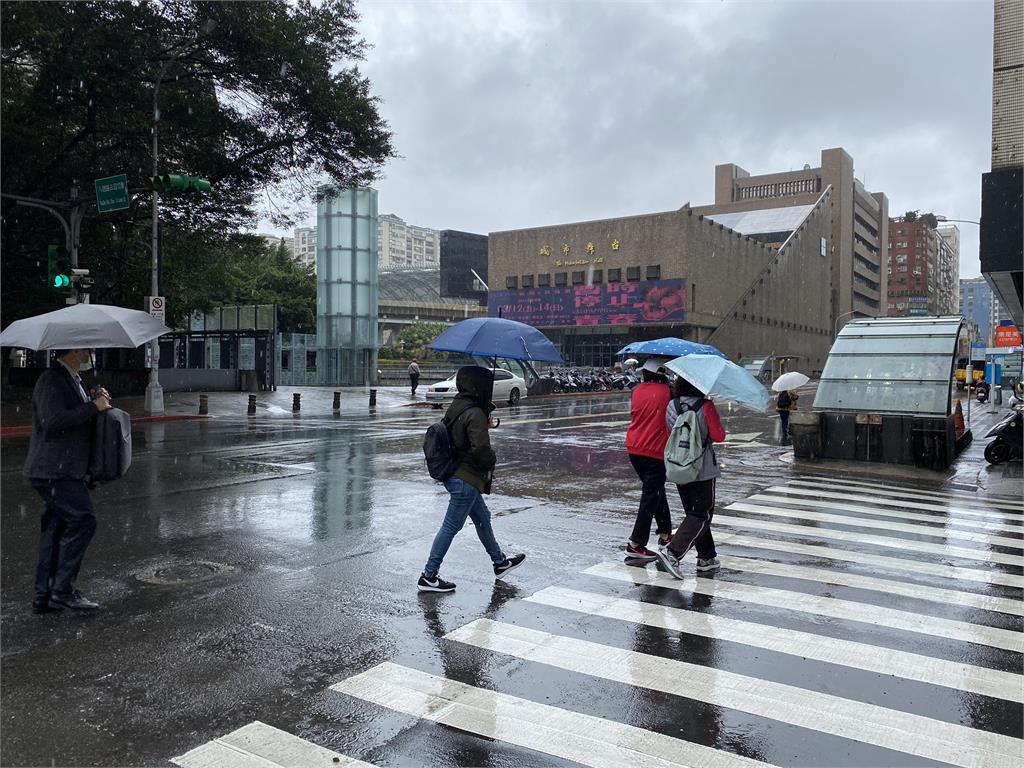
61 281
53 258
173 182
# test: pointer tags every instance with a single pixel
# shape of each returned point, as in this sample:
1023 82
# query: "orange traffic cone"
958 420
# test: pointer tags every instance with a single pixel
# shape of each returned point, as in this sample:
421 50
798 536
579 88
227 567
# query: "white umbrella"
631 361
791 380
84 326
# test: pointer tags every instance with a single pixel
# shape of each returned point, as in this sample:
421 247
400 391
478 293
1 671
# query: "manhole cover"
183 572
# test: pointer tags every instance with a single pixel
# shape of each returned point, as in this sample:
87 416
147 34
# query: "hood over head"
476 382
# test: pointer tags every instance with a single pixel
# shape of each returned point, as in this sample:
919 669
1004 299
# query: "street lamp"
961 221
154 402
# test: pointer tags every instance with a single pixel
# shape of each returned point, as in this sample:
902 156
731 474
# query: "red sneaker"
642 554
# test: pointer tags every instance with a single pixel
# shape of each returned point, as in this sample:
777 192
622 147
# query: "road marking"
866 723
563 418
589 424
900 503
925 517
832 607
910 493
885 525
893 542
888 586
588 740
258 745
828 552
743 437
847 653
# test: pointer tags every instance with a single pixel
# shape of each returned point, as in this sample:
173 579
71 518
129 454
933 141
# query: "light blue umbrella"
669 346
716 376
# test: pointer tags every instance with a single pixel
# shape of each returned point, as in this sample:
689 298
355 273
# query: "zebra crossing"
851 624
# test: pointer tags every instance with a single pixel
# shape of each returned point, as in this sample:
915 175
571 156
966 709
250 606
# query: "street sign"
1007 336
112 193
157 307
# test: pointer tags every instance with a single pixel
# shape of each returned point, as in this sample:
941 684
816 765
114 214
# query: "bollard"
337 401
252 405
204 405
295 402
373 398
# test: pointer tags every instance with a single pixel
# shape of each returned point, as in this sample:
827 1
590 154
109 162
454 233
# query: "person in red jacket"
698 497
645 444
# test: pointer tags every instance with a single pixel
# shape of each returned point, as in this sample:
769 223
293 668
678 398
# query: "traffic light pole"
154 402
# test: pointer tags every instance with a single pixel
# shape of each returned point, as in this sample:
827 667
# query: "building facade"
923 269
304 246
407 296
860 219
1002 207
596 286
462 255
406 246
980 308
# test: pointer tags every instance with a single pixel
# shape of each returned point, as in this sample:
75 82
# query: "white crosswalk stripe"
899 503
871 658
549 730
868 723
776 510
904 492
936 518
893 542
259 745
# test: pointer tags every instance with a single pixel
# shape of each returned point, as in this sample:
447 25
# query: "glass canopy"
892 365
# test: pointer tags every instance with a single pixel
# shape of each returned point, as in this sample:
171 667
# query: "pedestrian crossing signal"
58 277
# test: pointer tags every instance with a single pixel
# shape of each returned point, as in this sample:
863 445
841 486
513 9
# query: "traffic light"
170 183
58 276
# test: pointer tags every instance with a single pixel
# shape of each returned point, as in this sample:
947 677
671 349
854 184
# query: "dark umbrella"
496 337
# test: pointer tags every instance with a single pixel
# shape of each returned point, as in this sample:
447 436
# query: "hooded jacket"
470 437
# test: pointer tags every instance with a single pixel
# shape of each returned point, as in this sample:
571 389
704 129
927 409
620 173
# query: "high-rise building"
406 246
860 222
923 268
462 255
276 240
981 308
1002 208
304 246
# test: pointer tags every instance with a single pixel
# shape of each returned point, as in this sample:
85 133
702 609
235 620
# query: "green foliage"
910 216
253 96
415 337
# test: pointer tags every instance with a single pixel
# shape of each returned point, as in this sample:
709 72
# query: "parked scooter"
983 390
1008 435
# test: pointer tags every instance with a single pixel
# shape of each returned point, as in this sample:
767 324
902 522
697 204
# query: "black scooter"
1008 442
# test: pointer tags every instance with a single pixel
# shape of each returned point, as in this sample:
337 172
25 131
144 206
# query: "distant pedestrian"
469 420
57 463
785 404
414 376
645 445
698 497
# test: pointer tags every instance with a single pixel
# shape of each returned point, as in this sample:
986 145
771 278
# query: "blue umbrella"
497 337
717 376
669 347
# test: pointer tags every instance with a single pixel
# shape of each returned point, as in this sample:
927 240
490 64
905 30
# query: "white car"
508 388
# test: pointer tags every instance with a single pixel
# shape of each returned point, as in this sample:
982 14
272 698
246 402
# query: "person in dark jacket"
645 445
698 497
414 376
469 420
785 404
56 466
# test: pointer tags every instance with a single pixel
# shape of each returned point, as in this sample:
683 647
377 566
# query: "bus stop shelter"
885 394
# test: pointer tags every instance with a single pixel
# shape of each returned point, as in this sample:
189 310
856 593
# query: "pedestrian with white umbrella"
786 385
63 414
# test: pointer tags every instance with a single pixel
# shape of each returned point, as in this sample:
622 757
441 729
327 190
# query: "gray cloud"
513 115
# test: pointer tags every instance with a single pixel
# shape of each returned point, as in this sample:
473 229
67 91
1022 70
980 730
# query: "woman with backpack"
645 444
698 495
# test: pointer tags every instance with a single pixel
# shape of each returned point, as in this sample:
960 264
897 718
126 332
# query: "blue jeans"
466 501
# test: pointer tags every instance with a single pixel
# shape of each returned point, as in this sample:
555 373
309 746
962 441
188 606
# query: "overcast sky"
511 114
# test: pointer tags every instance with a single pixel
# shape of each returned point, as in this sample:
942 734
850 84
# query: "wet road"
258 582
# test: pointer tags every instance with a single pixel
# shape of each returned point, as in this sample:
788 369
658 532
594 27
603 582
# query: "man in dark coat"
469 420
57 463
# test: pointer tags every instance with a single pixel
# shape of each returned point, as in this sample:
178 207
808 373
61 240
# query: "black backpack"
111 450
439 450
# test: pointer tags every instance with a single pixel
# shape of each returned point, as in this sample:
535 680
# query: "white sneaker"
669 562
708 565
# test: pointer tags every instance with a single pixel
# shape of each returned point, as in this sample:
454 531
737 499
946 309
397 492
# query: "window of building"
544 281
527 281
597 277
561 278
578 278
654 272
614 275
511 282
632 273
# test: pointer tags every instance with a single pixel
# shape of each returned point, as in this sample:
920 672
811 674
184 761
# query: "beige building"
304 246
595 286
860 220
406 246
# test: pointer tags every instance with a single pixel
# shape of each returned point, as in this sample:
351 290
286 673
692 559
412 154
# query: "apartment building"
304 246
406 246
923 269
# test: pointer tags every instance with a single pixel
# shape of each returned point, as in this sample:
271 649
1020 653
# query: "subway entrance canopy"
892 365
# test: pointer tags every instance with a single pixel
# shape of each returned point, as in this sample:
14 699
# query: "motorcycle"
982 395
1008 433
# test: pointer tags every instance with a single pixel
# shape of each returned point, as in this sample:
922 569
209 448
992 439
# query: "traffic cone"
958 420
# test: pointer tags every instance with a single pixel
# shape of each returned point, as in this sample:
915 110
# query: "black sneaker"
41 604
509 563
76 600
434 584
